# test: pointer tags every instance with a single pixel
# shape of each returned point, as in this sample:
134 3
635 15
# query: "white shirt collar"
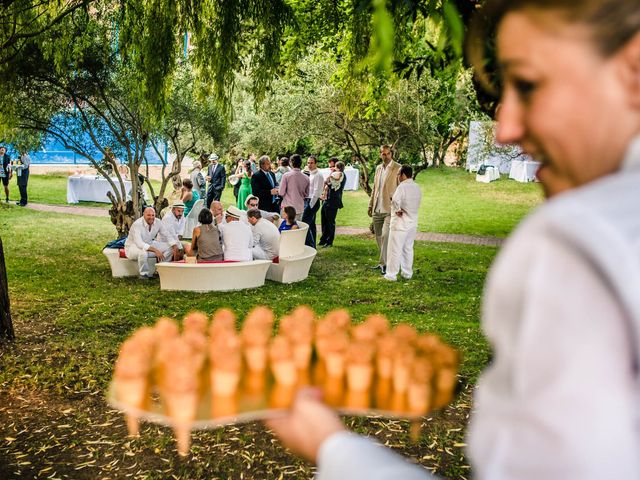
632 156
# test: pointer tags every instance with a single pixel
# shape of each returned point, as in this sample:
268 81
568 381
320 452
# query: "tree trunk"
6 326
122 215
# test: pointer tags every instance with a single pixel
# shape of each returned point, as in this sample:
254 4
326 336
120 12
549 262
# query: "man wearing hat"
175 222
237 237
252 202
216 176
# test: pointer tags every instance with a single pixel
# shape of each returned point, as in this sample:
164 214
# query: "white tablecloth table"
524 170
491 173
91 188
353 177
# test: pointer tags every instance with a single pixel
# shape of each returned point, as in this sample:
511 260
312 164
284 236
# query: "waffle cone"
359 377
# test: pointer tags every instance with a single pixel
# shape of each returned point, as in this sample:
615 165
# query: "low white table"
91 188
524 170
490 174
352 174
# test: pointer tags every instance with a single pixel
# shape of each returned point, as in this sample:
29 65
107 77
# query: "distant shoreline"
155 171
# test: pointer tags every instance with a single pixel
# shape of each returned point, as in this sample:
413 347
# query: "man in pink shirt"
294 187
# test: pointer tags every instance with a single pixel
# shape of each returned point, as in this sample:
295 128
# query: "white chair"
490 174
120 267
192 218
295 258
212 277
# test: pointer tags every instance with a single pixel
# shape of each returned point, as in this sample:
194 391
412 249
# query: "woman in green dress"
245 186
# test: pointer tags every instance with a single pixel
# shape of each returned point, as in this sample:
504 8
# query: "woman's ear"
630 71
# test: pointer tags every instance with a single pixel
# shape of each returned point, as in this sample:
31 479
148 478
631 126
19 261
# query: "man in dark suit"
216 176
5 170
265 187
330 207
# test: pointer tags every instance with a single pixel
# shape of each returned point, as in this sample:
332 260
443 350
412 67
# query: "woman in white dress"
561 308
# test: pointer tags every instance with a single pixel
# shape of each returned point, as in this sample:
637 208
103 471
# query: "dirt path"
423 236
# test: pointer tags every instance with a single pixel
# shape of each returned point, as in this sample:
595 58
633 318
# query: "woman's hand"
308 424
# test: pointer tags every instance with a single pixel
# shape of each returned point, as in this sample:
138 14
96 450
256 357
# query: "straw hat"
234 212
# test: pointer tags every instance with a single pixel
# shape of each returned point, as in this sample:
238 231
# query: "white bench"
295 258
120 267
212 277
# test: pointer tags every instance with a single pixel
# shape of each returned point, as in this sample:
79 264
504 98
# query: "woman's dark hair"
284 161
205 217
340 166
612 22
187 183
247 167
289 213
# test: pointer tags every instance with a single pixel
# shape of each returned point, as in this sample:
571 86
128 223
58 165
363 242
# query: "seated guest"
237 238
217 210
142 243
252 202
266 237
205 241
189 195
289 220
175 222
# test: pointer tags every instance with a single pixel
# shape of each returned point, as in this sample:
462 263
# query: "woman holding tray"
560 399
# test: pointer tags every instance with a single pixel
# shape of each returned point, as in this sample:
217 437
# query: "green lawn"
453 202
70 317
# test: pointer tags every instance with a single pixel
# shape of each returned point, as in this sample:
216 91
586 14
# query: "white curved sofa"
295 258
120 267
212 277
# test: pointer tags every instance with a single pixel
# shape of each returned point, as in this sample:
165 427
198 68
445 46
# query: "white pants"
147 260
259 254
400 253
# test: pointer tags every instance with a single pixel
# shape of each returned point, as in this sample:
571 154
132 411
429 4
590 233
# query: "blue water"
53 152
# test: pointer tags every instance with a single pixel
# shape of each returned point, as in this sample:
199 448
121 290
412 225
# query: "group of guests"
221 235
18 167
288 191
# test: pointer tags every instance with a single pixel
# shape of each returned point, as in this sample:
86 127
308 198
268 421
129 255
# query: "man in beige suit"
384 185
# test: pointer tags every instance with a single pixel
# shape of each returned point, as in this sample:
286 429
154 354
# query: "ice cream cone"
419 390
360 365
405 333
281 396
379 323
224 383
384 366
401 370
358 399
256 358
225 406
333 391
195 322
223 320
335 364
284 372
282 362
359 377
133 424
182 433
302 356
383 394
419 398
